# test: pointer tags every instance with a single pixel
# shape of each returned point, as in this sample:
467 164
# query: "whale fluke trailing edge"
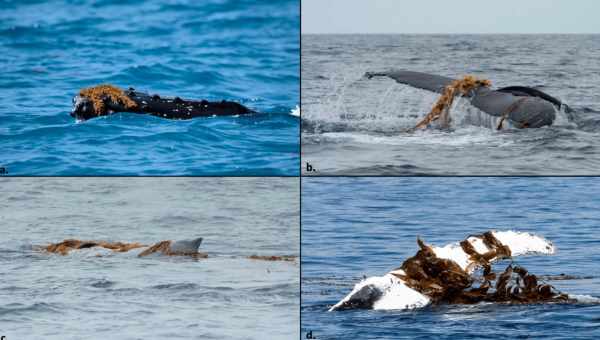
437 275
523 107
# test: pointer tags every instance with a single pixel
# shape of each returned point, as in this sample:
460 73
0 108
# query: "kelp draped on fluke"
441 109
444 281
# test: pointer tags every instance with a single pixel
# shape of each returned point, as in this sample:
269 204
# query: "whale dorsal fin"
186 246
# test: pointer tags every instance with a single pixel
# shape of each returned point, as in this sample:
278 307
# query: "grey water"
120 296
355 126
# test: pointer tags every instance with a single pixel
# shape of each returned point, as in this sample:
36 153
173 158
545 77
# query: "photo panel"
392 258
173 88
449 88
132 258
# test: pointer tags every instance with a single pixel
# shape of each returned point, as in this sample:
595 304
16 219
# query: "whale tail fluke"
483 249
524 107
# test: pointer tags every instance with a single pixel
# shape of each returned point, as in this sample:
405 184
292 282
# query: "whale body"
176 108
414 284
182 247
523 107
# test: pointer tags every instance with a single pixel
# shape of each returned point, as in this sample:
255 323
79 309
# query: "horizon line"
453 33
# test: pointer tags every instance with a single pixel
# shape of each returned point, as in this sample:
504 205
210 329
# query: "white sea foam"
466 136
295 111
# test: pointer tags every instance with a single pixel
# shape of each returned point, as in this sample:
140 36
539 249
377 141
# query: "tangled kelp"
444 281
98 94
441 109
458 273
64 247
285 258
163 247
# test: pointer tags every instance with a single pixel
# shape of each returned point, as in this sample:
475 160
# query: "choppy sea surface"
121 296
368 226
245 51
352 125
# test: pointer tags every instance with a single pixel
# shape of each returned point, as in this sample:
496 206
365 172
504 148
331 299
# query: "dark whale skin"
167 107
523 106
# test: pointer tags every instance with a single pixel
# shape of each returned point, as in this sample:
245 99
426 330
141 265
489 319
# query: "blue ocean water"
246 51
121 296
367 226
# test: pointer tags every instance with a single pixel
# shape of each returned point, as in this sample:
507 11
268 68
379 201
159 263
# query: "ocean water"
121 296
246 51
367 226
351 125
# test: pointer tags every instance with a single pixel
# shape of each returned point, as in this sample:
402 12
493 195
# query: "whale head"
83 108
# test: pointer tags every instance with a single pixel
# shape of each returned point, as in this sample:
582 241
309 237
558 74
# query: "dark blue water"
353 227
246 51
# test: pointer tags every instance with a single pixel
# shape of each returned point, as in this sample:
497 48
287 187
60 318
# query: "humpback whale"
519 106
437 275
105 100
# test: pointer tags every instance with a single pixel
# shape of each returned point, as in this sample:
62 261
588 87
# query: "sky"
450 16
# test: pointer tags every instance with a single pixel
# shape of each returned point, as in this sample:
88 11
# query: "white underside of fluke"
519 244
395 294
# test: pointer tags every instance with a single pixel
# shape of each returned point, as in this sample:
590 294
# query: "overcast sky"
450 16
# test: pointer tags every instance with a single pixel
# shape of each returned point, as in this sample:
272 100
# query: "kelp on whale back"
64 247
162 247
107 99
